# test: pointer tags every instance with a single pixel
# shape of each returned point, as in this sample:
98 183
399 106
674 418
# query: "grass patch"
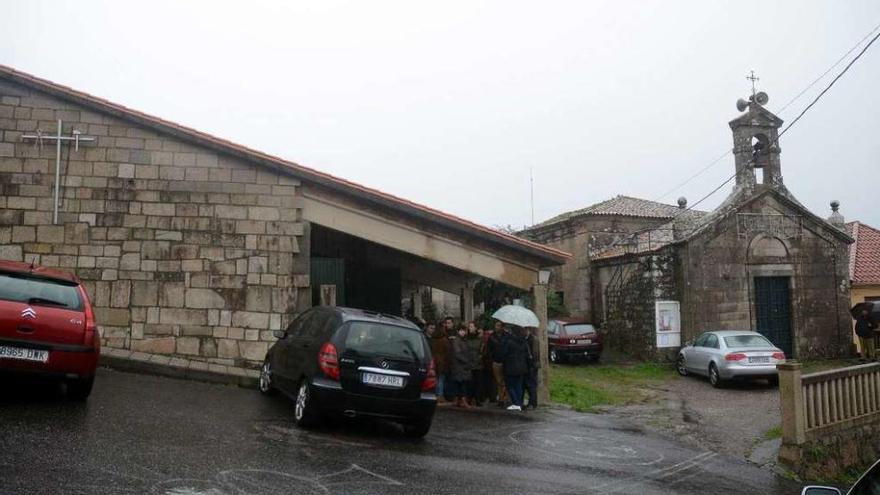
586 387
773 433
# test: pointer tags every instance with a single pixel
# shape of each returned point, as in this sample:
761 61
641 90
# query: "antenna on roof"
532 192
33 261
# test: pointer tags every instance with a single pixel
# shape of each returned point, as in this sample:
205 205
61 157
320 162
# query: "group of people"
476 366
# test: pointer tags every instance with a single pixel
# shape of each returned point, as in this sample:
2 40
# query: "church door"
773 308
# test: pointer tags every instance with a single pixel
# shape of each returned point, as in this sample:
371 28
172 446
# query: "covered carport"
369 249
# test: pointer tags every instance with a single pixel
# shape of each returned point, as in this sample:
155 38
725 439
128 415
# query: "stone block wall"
183 250
719 267
630 320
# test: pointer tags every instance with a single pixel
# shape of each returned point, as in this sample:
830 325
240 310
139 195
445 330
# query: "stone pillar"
539 296
467 301
791 399
416 301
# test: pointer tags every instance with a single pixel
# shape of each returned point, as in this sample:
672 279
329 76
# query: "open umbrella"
516 315
873 310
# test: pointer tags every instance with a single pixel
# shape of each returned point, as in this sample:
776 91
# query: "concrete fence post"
539 295
791 400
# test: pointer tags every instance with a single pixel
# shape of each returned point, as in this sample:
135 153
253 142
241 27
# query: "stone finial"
836 218
682 202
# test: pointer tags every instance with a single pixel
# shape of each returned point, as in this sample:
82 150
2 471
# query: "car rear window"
377 339
747 341
579 329
35 290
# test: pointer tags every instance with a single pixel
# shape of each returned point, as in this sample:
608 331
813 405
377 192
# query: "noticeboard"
667 317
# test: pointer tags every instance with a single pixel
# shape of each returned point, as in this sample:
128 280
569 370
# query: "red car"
47 326
573 339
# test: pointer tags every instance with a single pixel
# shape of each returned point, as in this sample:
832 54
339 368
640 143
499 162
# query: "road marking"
665 473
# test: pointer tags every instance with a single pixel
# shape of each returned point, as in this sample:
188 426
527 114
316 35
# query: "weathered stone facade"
183 250
589 231
720 267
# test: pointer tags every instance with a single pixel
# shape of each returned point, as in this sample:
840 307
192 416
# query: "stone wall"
719 267
183 250
580 237
635 285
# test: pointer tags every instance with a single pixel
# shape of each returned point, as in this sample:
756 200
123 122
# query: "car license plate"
383 380
585 341
7 352
759 359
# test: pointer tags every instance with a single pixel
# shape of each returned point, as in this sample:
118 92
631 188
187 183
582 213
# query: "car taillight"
430 378
92 336
328 361
736 356
779 356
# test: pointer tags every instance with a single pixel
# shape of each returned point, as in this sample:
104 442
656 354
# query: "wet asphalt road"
144 434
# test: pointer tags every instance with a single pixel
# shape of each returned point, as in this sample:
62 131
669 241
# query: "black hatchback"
353 363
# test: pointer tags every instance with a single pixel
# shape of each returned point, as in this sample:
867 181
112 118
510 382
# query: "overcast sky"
451 104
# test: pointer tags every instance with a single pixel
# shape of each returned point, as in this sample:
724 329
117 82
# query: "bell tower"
756 142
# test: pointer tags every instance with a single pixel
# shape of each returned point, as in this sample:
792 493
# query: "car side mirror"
820 490
689 343
279 334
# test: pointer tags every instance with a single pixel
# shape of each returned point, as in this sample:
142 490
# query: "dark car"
573 339
47 327
353 363
868 484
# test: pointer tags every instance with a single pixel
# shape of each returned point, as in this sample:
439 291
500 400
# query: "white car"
730 354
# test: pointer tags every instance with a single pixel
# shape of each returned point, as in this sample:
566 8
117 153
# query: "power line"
841 59
694 176
781 109
778 137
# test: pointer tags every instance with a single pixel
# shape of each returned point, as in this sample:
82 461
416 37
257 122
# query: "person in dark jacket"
493 351
461 366
439 351
476 393
535 365
515 359
865 332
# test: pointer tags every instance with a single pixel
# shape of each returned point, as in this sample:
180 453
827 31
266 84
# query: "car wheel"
554 356
80 389
715 377
417 429
266 387
680 366
304 412
773 381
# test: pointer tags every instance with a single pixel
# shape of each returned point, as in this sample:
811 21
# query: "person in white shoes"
515 357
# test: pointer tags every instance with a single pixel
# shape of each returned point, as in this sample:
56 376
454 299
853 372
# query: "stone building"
761 260
589 230
190 245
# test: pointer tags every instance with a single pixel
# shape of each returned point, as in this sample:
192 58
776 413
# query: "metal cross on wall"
753 78
76 137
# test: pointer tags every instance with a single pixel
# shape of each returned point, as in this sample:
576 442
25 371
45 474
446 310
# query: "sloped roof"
864 254
623 206
662 235
545 253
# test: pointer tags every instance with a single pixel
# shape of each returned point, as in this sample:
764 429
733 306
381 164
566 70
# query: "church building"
761 261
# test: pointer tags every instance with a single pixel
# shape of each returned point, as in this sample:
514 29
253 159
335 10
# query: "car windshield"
390 341
23 288
747 341
579 329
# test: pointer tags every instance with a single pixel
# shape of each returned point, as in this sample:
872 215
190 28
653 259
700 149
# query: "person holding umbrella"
865 331
516 359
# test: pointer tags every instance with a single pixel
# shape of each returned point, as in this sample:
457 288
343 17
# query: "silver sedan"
730 354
